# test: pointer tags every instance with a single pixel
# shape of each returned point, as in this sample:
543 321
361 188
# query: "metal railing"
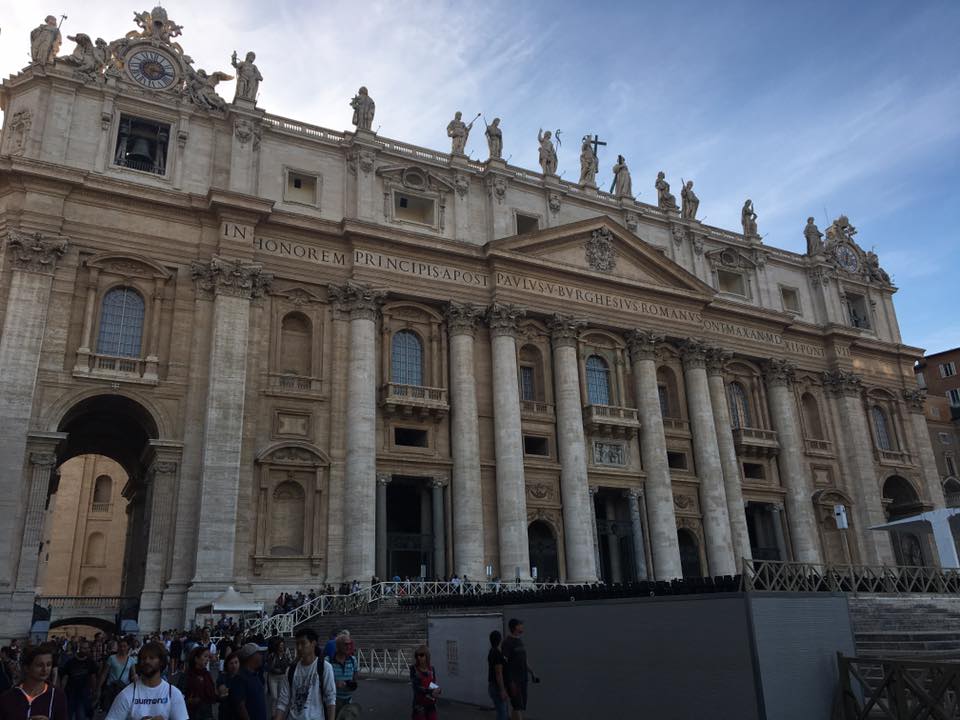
776 576
393 663
897 689
369 597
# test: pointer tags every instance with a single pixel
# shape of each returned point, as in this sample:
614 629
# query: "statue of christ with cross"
589 163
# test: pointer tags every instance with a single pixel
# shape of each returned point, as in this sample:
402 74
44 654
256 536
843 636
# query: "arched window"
811 417
102 489
406 359
286 521
739 406
598 380
881 427
295 345
90 587
95 552
121 323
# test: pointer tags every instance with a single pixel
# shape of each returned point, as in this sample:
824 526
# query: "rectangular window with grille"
142 145
948 369
528 389
953 396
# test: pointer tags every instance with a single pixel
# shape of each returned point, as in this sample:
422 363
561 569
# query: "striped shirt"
344 673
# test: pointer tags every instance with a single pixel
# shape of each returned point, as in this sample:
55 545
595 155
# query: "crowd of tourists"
195 676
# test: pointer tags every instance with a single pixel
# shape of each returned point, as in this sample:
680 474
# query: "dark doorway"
409 536
901 500
763 530
689 554
543 551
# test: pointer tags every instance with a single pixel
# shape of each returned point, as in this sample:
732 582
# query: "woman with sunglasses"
423 677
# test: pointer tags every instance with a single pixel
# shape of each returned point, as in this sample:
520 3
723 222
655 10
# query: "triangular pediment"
599 246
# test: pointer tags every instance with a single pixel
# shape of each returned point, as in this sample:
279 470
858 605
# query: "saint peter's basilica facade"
322 356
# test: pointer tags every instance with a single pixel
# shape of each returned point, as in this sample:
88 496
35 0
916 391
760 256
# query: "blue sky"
809 108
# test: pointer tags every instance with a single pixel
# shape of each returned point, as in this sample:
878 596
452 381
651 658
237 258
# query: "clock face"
152 69
847 258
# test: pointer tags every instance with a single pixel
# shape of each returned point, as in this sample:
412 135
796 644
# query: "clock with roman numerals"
152 69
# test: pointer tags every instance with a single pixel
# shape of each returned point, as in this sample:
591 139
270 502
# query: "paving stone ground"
391 699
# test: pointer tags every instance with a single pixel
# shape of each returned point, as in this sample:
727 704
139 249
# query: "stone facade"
344 360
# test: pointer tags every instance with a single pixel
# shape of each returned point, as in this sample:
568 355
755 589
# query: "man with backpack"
309 691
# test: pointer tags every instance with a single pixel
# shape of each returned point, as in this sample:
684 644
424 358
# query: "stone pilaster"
466 491
713 501
363 305
508 439
163 480
923 450
593 527
794 473
856 444
729 462
653 448
232 285
42 463
383 479
33 258
571 445
439 535
632 497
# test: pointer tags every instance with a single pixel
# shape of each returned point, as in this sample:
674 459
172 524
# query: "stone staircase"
920 626
386 628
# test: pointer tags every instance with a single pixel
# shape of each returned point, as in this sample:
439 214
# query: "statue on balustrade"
248 77
495 139
45 42
363 109
665 199
548 154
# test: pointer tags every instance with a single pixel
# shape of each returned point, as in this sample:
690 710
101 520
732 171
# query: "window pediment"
731 258
415 178
128 266
293 453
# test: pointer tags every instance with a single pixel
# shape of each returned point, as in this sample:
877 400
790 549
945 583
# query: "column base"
148 619
16 615
172 605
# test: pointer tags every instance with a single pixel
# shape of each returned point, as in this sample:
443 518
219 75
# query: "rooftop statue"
459 131
88 58
873 271
45 42
840 230
589 164
155 25
622 184
363 109
201 88
814 237
548 154
248 77
665 199
690 201
494 139
748 218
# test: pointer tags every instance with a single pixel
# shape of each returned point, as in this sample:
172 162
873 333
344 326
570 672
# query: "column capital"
779 372
235 278
565 330
35 252
642 344
694 353
503 318
843 383
440 481
163 467
462 318
717 359
362 302
384 478
42 458
916 399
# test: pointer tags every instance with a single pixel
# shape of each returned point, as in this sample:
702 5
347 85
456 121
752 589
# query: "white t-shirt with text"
138 701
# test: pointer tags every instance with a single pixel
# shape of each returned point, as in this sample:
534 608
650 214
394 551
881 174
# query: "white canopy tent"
941 523
229 602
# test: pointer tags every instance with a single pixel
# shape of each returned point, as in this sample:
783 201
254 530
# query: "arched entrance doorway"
544 555
137 471
689 554
901 500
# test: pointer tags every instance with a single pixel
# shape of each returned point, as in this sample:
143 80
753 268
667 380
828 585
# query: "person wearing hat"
247 698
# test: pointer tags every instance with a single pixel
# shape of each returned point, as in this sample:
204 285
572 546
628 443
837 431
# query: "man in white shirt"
149 697
308 692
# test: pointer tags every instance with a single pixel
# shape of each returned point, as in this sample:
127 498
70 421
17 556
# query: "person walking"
497 677
276 664
248 701
231 667
345 675
199 692
423 678
117 673
517 669
79 681
308 691
149 696
36 696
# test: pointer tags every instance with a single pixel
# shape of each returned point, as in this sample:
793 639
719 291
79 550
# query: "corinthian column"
232 285
730 464
713 500
33 258
439 534
508 438
632 496
856 445
359 552
794 474
653 448
466 491
574 492
923 450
